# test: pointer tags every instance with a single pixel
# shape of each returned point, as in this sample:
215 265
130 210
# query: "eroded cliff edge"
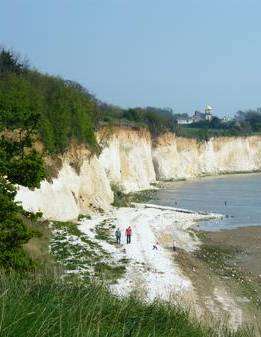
179 158
132 160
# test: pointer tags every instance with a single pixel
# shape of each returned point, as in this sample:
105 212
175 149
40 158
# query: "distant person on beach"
155 246
128 234
225 203
118 235
174 247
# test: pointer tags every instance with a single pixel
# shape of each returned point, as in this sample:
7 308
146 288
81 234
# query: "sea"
236 197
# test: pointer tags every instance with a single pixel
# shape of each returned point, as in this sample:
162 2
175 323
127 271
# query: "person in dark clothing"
128 234
118 236
174 244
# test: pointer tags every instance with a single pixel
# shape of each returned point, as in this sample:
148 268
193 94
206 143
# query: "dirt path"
155 269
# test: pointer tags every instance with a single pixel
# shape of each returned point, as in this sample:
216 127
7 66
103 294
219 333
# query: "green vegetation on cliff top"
66 109
69 112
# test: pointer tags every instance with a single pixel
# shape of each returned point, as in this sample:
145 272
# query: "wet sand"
247 243
226 274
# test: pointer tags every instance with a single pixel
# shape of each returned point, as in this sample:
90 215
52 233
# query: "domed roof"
208 108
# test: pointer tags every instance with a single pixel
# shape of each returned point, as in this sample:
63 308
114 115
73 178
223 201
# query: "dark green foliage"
142 196
105 270
11 62
244 124
66 110
157 120
107 113
120 198
83 217
27 172
47 307
67 113
19 162
250 119
14 232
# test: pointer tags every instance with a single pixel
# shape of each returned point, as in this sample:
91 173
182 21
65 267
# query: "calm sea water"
242 194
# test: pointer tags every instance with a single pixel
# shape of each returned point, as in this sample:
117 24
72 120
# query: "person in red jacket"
128 234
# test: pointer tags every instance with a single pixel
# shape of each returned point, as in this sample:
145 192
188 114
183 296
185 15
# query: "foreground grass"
37 306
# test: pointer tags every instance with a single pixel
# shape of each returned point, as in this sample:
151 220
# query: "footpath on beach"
153 272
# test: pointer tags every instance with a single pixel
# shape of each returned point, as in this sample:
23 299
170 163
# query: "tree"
215 123
249 120
11 62
19 164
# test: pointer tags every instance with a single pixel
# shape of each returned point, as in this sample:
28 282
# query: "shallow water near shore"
237 197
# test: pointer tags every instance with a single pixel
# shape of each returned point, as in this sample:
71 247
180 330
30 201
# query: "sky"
165 53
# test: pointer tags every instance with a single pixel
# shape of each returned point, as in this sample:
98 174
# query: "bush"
120 198
83 217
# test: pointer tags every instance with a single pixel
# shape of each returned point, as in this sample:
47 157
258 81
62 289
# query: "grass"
83 217
82 256
41 305
37 247
104 231
203 133
142 196
46 307
106 270
125 200
120 198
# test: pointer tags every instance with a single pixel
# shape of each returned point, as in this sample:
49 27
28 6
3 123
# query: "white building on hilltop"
203 116
208 113
198 116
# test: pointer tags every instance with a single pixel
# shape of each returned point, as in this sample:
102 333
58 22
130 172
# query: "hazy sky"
176 53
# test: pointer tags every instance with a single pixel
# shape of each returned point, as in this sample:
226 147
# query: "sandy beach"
150 271
181 276
247 241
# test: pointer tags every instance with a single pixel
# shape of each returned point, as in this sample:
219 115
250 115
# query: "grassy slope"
40 305
46 307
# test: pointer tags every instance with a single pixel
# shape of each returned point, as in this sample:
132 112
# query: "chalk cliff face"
178 158
127 158
81 185
130 159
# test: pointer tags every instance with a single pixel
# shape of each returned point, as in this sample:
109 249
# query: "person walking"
128 234
118 236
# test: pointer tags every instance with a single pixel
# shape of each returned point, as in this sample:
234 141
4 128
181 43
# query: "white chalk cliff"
130 159
127 158
81 185
178 158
